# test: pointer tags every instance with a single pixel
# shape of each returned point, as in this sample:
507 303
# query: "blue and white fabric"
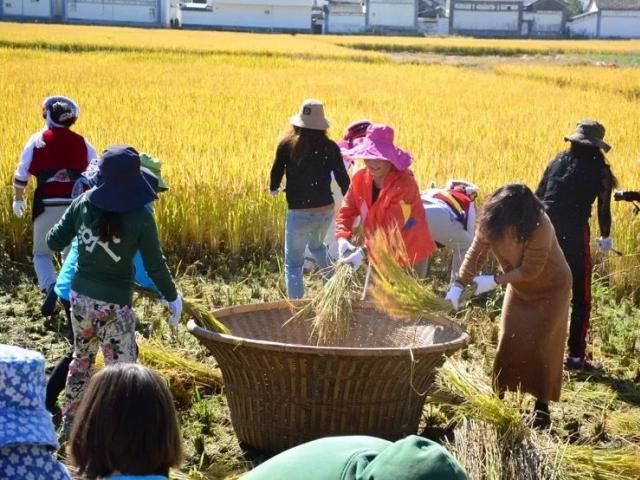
30 462
23 416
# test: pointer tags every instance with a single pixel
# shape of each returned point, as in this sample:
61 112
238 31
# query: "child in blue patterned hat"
27 437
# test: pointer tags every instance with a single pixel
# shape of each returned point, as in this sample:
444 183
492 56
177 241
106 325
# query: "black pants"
58 378
574 242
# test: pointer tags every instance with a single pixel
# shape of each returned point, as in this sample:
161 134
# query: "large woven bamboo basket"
284 390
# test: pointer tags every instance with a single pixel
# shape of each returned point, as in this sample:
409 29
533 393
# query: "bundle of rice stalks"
579 462
182 374
397 289
193 308
471 394
331 311
625 424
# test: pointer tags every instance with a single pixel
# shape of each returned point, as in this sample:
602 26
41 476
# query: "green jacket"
361 458
105 270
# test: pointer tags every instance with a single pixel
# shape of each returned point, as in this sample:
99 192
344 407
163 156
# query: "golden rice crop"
214 119
484 46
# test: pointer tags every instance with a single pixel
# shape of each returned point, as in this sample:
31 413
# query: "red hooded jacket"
398 204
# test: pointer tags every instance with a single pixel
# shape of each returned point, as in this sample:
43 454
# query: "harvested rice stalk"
625 424
476 399
330 310
397 289
193 308
580 462
182 374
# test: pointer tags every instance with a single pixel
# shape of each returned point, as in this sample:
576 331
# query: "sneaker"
49 303
579 363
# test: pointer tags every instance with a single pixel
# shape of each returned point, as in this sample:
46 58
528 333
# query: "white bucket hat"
311 116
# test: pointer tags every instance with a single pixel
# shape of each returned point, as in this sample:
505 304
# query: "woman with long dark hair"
515 228
111 224
570 185
307 157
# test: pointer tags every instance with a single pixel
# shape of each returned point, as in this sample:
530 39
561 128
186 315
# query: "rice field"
211 105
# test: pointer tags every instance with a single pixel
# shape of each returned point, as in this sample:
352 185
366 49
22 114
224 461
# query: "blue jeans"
302 229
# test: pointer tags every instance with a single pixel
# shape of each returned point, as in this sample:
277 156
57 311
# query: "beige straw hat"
311 116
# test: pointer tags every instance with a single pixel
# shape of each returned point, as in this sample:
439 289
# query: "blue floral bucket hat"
23 416
121 186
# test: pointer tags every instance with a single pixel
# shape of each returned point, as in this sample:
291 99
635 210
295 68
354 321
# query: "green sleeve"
62 233
153 259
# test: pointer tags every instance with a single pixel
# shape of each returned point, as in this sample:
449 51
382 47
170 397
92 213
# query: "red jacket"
398 204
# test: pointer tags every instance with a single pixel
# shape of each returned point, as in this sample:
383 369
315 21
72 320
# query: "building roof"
544 5
617 4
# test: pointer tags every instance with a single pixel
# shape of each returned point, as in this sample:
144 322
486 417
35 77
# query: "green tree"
573 7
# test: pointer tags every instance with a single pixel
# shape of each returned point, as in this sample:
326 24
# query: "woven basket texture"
284 390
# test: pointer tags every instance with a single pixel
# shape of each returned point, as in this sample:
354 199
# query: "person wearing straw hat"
56 157
384 195
150 168
514 227
27 438
360 457
451 214
111 224
308 158
570 185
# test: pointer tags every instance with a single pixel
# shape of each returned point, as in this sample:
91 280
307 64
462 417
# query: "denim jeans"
302 229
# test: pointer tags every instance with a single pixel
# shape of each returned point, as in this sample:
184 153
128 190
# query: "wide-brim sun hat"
121 185
378 144
311 116
591 133
24 420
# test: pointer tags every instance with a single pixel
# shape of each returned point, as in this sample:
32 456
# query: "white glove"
19 207
484 284
344 246
275 192
454 294
355 259
605 245
175 308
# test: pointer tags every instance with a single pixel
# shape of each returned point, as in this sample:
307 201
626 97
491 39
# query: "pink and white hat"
378 145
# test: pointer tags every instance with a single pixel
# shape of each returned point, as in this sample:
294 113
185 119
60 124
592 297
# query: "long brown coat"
535 310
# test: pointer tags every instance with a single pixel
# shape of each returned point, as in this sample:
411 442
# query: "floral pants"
96 324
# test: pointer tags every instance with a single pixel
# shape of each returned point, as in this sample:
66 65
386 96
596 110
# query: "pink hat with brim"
378 145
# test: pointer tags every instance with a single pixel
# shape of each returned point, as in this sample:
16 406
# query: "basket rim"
461 340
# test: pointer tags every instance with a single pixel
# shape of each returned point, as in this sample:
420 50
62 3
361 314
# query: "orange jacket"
398 204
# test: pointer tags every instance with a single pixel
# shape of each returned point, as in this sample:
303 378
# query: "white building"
122 12
544 18
345 16
501 18
608 19
261 15
392 15
27 9
379 16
